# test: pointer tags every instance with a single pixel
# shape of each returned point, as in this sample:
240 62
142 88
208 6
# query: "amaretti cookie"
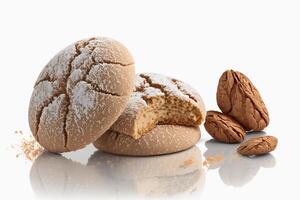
163 139
158 99
80 94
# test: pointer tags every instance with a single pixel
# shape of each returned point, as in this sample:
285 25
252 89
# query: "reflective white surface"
194 41
112 176
234 169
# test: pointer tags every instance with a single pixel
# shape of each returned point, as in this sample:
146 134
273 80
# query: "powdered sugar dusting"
83 100
44 93
167 84
67 76
151 91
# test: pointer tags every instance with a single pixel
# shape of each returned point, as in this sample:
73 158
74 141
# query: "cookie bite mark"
158 99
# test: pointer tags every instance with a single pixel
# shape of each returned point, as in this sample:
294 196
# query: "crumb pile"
27 146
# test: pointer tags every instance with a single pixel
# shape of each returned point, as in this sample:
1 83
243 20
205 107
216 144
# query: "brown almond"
258 146
224 128
239 98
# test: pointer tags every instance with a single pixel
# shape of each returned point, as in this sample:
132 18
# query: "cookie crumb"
211 160
188 162
28 146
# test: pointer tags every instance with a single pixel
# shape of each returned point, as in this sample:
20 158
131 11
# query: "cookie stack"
162 116
89 93
242 110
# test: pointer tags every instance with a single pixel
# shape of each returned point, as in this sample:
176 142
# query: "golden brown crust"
158 99
80 93
223 128
238 97
163 139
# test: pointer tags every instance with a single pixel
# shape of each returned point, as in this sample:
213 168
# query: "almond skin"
240 99
258 146
223 128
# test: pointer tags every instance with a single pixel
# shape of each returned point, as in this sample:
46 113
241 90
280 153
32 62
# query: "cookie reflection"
108 175
234 169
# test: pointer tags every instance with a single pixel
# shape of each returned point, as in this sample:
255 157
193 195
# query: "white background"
194 41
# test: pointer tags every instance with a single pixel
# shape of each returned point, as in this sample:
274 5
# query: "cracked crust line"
157 86
114 63
142 89
69 71
64 84
48 79
96 88
161 87
61 91
39 115
183 91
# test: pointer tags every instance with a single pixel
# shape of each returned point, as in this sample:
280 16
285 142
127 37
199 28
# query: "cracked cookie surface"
239 98
223 128
80 93
258 146
158 99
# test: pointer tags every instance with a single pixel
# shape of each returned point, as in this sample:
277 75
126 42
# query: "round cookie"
80 93
163 139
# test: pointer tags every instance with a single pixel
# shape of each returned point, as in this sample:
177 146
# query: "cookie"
80 93
163 139
223 128
258 146
240 99
158 99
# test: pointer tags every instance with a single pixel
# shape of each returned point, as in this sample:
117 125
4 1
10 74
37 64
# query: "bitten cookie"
80 93
158 99
163 139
